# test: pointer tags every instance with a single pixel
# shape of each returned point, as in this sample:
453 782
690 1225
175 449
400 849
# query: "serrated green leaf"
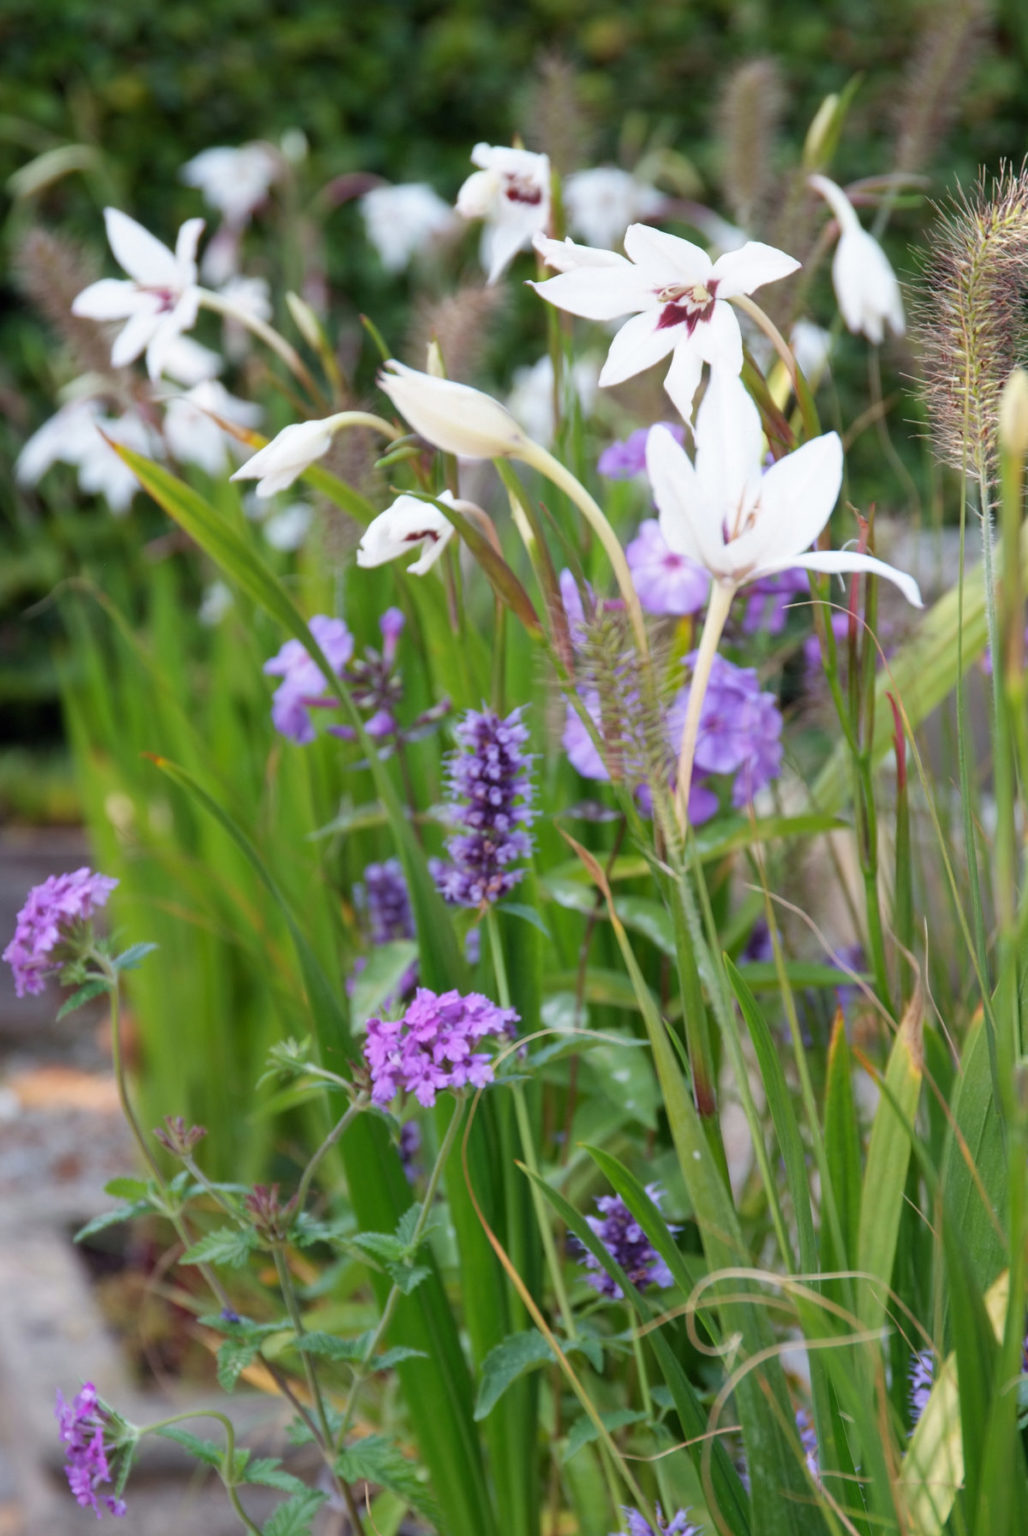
133 957
81 996
328 1346
393 1357
380 1245
112 1218
583 1431
408 1276
407 1224
226 1245
377 1460
234 1356
270 1473
293 1518
207 1451
511 1358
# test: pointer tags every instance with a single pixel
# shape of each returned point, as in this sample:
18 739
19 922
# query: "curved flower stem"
394 1295
228 1465
528 1143
110 976
801 390
713 627
337 1131
266 333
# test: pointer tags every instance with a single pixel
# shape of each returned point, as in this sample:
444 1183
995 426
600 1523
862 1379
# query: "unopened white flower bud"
452 416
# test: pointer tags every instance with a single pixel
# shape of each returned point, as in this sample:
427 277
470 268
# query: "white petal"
638 345
838 560
751 267
598 292
141 255
477 196
729 446
567 255
797 497
171 327
135 337
719 340
110 299
685 521
683 377
403 527
508 234
666 258
185 249
835 197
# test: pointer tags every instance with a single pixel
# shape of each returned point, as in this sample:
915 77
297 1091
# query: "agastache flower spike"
677 295
865 284
490 774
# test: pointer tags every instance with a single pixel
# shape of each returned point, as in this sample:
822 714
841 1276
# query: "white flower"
407 524
73 436
63 439
287 529
284 459
742 522
452 416
234 181
191 434
512 194
531 398
680 298
601 203
400 221
159 300
252 294
811 345
188 362
216 601
865 284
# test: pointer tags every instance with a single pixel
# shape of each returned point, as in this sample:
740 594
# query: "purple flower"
740 728
628 1245
666 583
409 1147
808 1440
303 684
678 1525
433 1046
922 1375
768 598
383 898
81 1430
489 774
624 459
48 922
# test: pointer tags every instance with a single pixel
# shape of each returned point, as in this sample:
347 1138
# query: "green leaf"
380 1245
293 1518
380 977
133 957
511 1358
377 1460
583 1431
390 1358
528 914
270 1473
207 1451
126 1189
226 1245
112 1218
234 1356
408 1276
81 996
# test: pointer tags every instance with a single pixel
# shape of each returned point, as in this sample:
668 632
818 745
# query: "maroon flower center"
687 304
522 189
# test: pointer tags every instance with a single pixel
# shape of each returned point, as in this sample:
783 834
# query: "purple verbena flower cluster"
303 685
628 1245
47 921
678 1525
81 1428
666 583
432 1046
624 459
489 779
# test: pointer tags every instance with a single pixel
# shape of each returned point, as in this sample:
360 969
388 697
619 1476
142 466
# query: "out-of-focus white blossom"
191 434
160 298
215 603
234 181
811 345
407 525
865 285
284 459
601 203
73 436
188 362
531 398
287 529
401 221
511 193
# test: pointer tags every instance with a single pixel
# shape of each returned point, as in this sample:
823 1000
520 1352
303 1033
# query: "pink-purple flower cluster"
489 780
678 1525
47 924
628 1245
434 1045
81 1428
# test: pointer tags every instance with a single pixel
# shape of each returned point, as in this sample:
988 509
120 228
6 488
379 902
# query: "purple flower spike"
81 1428
489 774
433 1047
666 583
628 1245
47 922
303 684
922 1375
678 1525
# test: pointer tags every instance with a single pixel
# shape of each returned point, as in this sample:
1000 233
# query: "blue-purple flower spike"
628 1245
679 1524
489 779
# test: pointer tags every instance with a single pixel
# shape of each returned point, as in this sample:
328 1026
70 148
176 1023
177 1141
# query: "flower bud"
1013 414
407 525
452 416
285 458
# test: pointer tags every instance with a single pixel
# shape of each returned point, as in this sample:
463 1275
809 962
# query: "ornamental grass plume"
969 320
929 98
749 118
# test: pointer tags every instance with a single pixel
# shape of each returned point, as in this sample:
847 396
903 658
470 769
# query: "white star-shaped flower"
408 524
740 521
511 192
678 295
235 181
159 299
403 220
865 285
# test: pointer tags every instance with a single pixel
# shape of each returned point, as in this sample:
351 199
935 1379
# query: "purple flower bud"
47 927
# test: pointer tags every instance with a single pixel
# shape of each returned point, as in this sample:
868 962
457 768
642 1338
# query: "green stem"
228 1467
266 333
528 1142
717 612
334 1135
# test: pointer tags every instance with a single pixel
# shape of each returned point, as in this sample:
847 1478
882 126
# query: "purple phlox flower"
922 1375
303 685
81 1427
679 1524
624 459
489 781
768 598
808 1440
666 583
434 1045
46 927
740 728
628 1245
